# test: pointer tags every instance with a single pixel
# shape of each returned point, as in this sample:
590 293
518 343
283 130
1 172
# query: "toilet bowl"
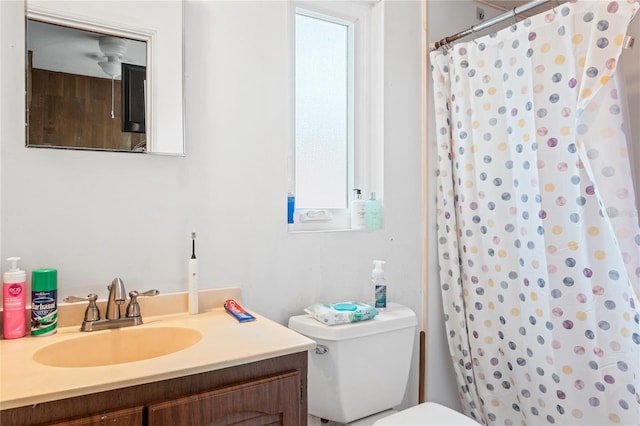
359 371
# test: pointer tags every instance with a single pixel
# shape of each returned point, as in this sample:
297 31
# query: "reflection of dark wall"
75 111
134 79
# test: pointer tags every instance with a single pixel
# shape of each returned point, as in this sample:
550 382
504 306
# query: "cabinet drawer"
273 400
126 417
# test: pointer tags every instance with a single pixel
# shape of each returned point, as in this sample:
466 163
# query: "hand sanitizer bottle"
380 285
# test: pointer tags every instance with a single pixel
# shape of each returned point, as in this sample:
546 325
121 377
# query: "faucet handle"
133 308
152 292
92 313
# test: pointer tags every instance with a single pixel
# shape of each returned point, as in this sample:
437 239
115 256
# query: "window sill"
310 221
293 230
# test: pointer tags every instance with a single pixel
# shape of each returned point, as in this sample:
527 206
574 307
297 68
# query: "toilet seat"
371 420
427 413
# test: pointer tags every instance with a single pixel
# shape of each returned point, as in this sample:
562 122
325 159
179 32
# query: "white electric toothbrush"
193 278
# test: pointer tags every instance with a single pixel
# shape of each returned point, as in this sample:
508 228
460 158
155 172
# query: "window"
323 111
336 94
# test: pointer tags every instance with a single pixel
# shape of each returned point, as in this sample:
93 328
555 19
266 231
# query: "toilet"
359 371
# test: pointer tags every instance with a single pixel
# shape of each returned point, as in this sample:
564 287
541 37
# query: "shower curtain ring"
515 17
447 46
442 44
473 34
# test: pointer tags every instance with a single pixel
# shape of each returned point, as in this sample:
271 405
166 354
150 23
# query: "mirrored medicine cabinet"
93 83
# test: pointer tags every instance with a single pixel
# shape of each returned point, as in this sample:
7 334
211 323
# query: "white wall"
1 120
631 68
94 216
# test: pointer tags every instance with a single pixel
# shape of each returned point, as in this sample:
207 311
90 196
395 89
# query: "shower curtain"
538 235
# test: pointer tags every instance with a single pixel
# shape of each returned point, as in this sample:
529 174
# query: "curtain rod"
486 24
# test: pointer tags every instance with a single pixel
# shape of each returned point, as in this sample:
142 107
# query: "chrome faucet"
117 297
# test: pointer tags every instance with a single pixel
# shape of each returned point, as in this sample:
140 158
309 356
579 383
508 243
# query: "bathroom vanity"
236 373
271 391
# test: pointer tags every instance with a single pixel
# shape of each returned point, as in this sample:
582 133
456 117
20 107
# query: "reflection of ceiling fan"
113 48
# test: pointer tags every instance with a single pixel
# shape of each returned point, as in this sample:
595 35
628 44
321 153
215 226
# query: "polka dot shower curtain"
538 236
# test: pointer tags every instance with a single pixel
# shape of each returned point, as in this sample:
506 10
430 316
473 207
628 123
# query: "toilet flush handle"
321 349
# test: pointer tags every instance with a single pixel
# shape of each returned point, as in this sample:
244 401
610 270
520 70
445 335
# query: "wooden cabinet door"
271 400
126 417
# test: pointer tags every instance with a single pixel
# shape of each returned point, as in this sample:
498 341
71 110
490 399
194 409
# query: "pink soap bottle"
14 291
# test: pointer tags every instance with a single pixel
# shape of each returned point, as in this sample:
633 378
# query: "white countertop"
225 343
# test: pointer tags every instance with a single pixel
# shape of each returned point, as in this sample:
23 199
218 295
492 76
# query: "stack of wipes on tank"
341 313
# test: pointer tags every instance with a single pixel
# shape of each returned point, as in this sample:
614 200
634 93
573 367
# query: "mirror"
75 89
96 84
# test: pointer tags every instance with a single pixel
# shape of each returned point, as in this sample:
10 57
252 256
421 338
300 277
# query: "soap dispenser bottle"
14 290
372 213
357 210
379 284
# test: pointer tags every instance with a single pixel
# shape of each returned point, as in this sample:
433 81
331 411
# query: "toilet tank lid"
395 317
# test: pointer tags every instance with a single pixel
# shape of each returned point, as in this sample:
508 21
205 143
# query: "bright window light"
323 117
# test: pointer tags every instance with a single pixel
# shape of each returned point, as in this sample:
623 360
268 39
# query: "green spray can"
44 301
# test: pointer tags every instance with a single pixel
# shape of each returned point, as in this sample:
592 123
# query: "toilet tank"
361 368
